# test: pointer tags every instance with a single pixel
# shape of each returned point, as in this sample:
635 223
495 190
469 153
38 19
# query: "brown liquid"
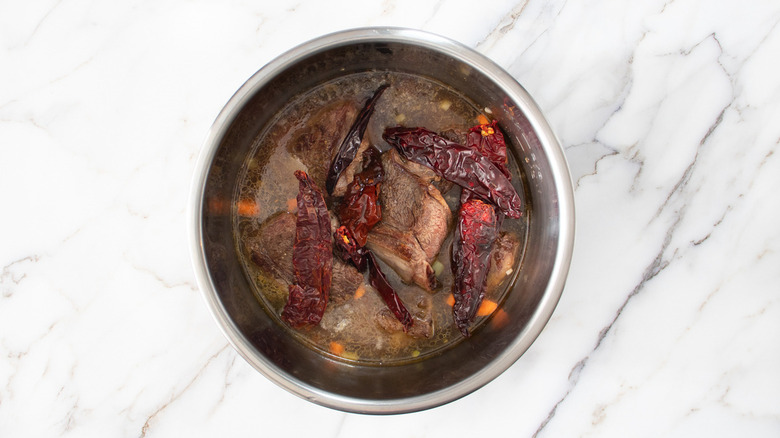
268 179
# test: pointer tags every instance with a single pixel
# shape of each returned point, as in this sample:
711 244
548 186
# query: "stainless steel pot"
399 388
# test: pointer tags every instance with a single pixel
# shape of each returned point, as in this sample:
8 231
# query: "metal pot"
398 388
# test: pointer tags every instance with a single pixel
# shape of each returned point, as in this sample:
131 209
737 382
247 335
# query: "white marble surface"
669 112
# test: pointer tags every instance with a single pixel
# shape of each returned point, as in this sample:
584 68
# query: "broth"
268 180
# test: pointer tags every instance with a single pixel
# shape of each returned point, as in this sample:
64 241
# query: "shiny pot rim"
558 172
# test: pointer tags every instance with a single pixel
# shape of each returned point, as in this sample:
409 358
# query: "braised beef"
502 260
402 252
317 141
415 221
423 326
349 173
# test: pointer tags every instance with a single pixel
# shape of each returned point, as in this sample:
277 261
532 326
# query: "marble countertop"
669 113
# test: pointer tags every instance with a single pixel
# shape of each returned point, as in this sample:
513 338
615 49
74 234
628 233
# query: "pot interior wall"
273 348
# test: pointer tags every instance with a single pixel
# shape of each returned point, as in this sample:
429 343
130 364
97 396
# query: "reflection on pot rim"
371 389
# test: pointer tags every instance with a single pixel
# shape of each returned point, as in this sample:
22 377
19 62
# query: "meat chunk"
415 220
402 252
349 173
423 321
502 260
317 141
272 248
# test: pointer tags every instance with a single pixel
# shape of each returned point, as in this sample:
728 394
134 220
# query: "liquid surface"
349 329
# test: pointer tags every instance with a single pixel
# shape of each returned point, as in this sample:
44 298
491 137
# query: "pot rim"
559 172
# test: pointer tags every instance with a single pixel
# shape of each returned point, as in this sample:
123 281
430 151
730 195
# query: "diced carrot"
360 291
336 348
482 120
510 109
292 204
218 206
486 307
247 208
499 319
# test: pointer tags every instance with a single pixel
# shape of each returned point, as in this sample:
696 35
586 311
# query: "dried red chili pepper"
477 230
362 258
349 249
475 235
351 143
459 164
360 210
489 141
391 298
312 257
